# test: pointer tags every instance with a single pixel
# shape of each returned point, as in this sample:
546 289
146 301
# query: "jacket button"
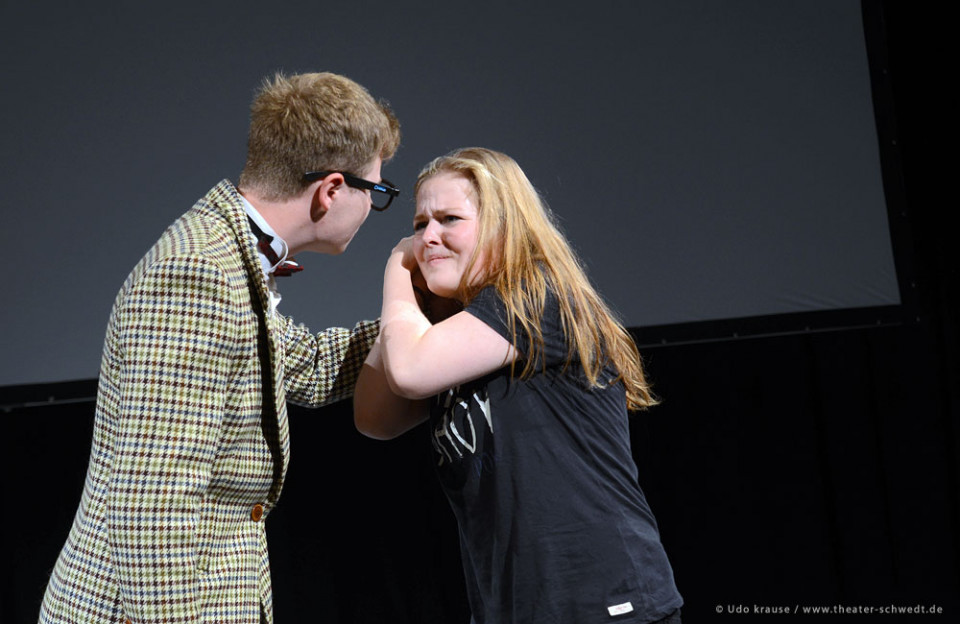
256 513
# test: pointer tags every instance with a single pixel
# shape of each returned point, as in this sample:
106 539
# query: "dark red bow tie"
280 269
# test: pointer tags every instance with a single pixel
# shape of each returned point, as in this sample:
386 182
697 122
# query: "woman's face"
446 227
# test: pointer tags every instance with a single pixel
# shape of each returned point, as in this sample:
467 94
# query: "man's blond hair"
311 122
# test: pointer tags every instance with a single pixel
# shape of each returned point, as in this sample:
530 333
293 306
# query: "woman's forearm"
402 324
377 411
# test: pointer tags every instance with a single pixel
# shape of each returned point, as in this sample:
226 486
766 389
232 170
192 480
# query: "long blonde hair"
527 257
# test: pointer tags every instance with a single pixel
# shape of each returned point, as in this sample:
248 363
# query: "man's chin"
335 249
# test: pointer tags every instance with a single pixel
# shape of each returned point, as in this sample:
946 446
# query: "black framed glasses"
381 193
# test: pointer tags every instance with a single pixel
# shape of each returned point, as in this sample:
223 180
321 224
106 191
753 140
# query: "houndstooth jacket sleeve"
322 368
179 348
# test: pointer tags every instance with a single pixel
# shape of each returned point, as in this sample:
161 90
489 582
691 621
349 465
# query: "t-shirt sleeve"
490 308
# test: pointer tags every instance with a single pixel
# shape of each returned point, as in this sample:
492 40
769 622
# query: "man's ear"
323 195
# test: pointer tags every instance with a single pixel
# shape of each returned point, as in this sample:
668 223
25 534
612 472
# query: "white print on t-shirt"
448 438
620 609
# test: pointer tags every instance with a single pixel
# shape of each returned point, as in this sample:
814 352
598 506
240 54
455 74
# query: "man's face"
347 213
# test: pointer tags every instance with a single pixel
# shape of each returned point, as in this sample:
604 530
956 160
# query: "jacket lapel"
270 343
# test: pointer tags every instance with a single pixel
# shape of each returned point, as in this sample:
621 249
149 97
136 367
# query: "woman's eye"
418 226
450 218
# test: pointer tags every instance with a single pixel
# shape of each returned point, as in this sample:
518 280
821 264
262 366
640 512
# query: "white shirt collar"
279 245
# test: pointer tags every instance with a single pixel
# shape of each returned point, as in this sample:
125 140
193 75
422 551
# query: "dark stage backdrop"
710 159
818 469
811 470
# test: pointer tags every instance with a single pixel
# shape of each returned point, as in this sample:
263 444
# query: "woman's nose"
431 232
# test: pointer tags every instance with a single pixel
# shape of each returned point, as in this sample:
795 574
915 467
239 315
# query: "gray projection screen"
708 159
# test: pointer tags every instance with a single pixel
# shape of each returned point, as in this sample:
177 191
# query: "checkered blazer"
191 442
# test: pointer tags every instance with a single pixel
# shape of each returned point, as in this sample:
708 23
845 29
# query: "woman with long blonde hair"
491 330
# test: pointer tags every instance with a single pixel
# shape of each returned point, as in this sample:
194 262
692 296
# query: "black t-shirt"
553 526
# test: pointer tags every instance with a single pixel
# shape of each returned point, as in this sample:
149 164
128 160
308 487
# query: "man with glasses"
190 444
